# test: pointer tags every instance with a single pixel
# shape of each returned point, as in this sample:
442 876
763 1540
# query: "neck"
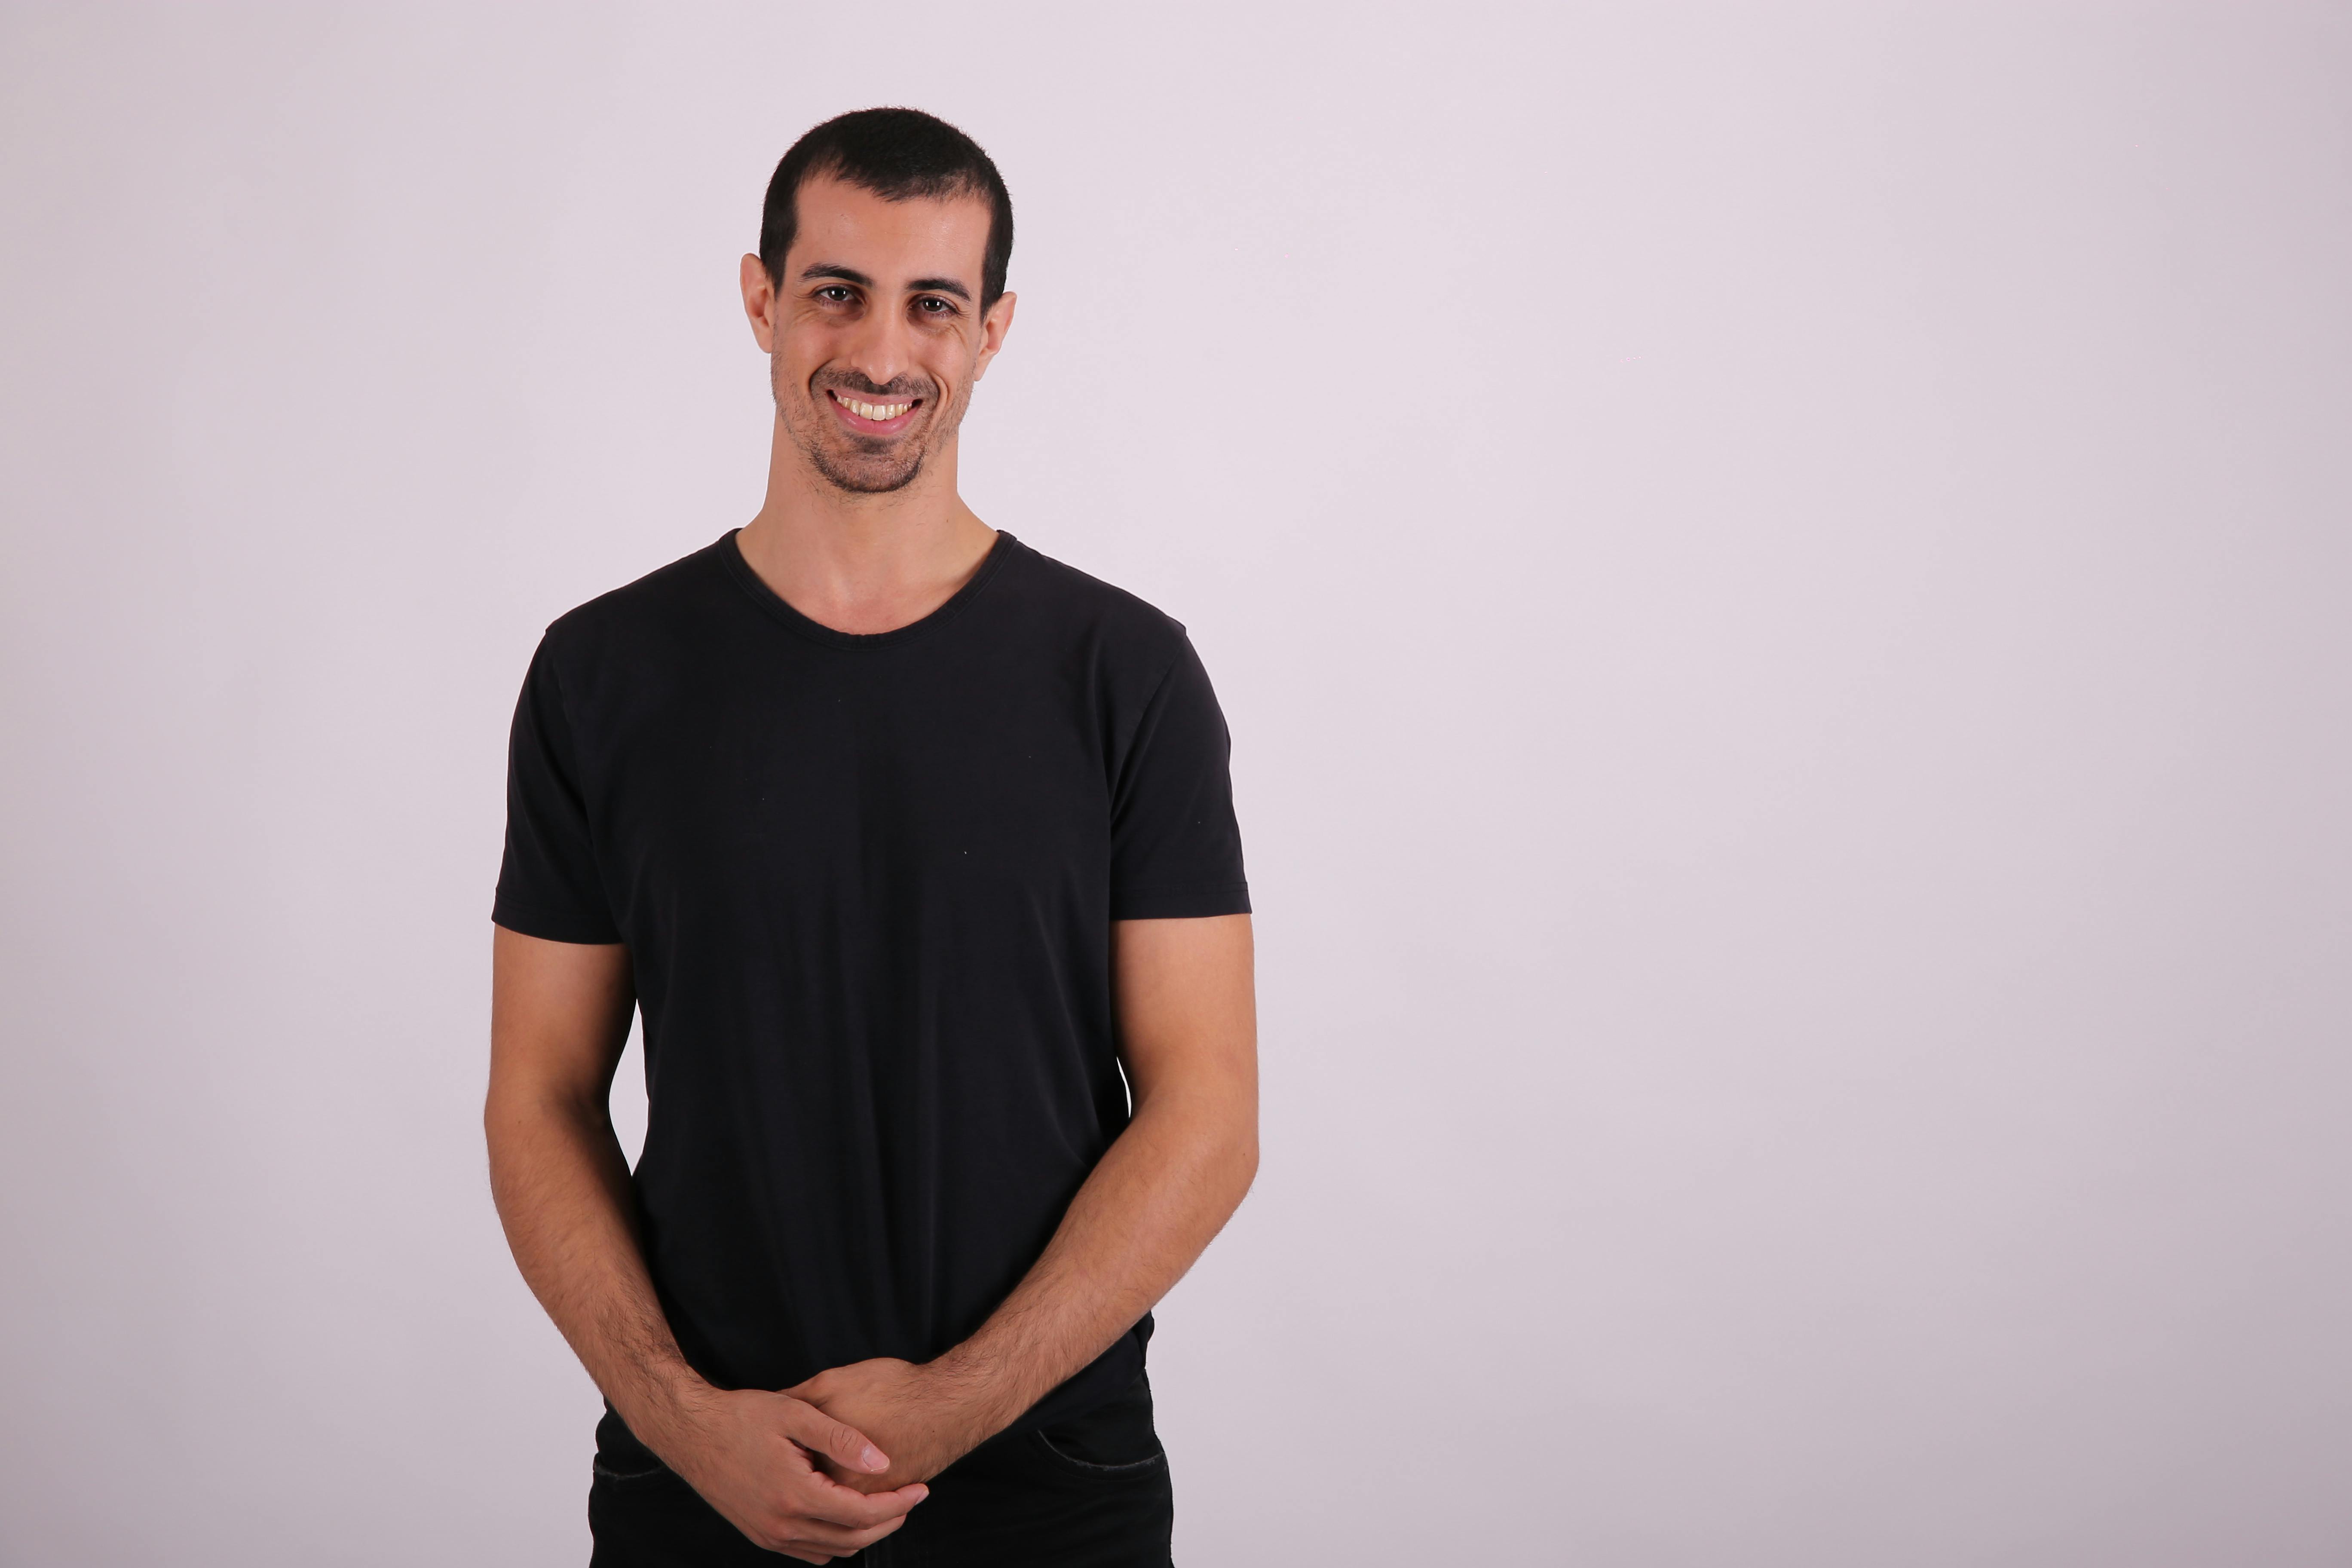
863 563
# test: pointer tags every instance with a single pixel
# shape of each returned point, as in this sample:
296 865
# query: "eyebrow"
851 275
832 269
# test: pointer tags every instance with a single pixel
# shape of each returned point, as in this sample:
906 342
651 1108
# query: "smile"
872 413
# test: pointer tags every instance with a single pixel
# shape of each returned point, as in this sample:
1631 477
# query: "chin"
862 480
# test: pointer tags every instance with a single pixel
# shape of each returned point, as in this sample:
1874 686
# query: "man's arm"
559 1017
1188 1037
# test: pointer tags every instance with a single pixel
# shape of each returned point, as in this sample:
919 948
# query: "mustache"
906 386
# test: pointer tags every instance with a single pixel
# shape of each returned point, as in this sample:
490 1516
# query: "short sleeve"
548 885
1175 848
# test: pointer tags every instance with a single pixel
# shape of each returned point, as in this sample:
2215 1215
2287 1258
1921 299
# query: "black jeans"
1088 1492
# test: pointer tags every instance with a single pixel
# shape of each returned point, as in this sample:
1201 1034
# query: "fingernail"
920 1491
874 1459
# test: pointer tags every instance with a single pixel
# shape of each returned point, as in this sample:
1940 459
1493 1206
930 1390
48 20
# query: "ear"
992 328
759 302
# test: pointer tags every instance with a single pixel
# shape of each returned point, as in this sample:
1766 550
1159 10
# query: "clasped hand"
827 1468
918 1414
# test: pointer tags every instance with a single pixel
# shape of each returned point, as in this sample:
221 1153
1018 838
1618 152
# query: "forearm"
562 1190
1153 1203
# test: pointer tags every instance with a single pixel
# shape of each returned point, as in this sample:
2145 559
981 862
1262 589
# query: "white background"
1779 575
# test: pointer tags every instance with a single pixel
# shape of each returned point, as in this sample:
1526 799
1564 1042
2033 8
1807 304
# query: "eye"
932 305
835 294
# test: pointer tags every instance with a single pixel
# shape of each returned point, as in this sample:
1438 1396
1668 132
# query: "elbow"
518 1116
1244 1161
1207 1131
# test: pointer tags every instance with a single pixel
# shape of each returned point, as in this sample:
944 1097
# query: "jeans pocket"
1156 1459
623 1469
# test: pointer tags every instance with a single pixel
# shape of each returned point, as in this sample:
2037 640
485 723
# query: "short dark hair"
898 155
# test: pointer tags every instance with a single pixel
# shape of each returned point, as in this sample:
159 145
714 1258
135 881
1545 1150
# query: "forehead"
847 226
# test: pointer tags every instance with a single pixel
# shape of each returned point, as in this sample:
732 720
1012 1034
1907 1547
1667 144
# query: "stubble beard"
847 462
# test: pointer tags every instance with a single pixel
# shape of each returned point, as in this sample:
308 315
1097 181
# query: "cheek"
954 369
806 346
945 379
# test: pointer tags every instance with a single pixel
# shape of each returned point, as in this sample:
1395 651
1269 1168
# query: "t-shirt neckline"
730 556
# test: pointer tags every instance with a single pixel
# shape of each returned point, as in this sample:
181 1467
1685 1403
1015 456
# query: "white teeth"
877 412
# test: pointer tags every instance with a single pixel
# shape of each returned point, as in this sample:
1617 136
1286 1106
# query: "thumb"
837 1440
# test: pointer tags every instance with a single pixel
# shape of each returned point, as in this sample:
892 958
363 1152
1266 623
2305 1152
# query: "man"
916 850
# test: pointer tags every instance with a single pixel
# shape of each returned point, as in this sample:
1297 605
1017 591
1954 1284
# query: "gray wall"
1781 578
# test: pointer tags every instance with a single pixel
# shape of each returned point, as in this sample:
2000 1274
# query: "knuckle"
780 1531
790 1545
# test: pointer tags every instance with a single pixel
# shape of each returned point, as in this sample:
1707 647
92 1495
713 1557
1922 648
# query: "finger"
837 1440
829 1501
807 1535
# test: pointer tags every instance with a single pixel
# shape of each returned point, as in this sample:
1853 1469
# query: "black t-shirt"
866 884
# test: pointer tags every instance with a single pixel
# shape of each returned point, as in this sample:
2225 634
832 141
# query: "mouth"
874 416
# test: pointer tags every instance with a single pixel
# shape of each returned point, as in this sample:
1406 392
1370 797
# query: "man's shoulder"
657 604
1119 620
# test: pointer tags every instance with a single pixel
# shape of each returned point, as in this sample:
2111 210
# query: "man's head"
878 290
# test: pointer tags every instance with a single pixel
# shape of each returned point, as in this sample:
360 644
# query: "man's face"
873 334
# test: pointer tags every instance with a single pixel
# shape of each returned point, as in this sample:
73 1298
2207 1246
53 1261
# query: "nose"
880 346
